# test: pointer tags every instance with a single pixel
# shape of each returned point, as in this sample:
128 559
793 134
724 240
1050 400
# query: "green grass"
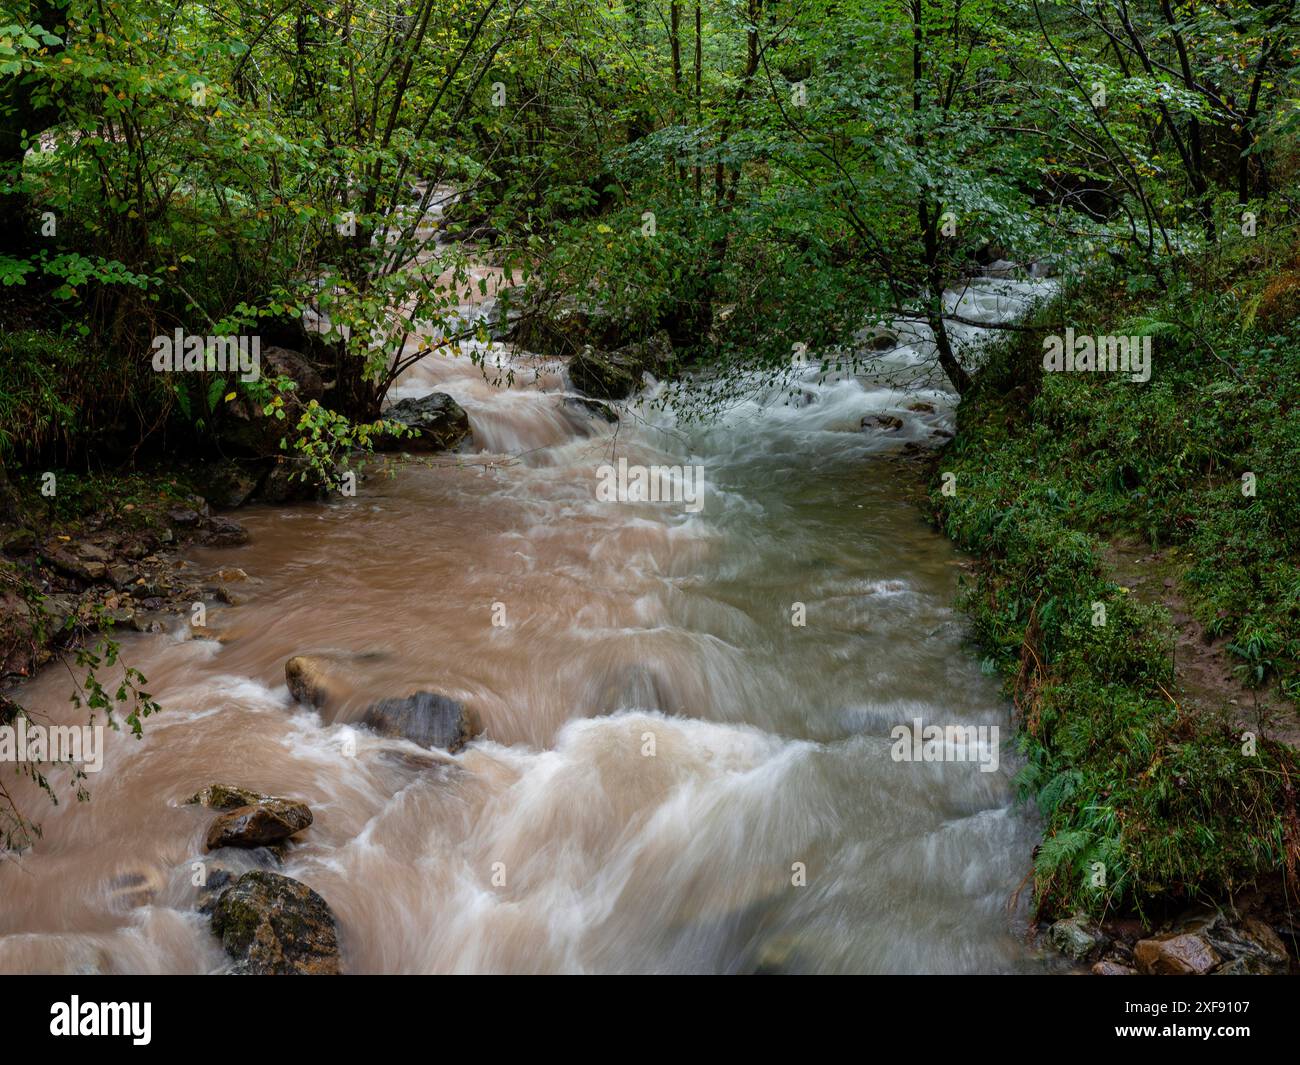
1145 804
40 374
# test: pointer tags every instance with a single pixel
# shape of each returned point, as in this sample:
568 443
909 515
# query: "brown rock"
1245 946
1112 968
1175 954
1262 934
293 364
437 421
882 421
311 682
269 821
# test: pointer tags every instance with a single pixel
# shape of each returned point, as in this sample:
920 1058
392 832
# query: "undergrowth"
1146 804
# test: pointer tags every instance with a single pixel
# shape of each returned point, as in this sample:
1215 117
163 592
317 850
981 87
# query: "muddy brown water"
674 777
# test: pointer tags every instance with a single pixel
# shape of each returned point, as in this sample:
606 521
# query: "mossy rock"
224 797
273 925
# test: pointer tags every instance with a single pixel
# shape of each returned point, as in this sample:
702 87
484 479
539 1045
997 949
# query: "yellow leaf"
229 396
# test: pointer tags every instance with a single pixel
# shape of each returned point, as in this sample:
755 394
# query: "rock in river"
225 797
272 924
617 374
312 681
426 718
212 874
1077 938
256 825
438 421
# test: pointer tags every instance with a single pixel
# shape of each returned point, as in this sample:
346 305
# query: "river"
674 775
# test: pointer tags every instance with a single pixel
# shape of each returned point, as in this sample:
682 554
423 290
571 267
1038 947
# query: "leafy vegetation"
1164 799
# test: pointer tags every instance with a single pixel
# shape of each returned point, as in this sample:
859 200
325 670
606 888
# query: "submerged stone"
426 718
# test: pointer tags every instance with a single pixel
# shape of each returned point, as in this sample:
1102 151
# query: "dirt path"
1204 676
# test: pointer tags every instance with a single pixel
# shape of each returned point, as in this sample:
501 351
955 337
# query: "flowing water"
674 775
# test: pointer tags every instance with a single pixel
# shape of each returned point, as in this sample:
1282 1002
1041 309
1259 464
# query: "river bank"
1135 546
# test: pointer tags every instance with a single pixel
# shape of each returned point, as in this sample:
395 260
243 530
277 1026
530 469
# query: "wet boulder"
244 429
557 325
260 823
229 483
1175 954
273 925
312 681
466 224
881 338
224 532
289 480
70 565
887 422
502 312
1248 946
437 421
327 678
284 362
600 374
210 875
1077 938
425 718
617 374
587 408
553 326
225 797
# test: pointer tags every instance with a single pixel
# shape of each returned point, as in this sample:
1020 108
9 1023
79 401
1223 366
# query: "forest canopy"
748 174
